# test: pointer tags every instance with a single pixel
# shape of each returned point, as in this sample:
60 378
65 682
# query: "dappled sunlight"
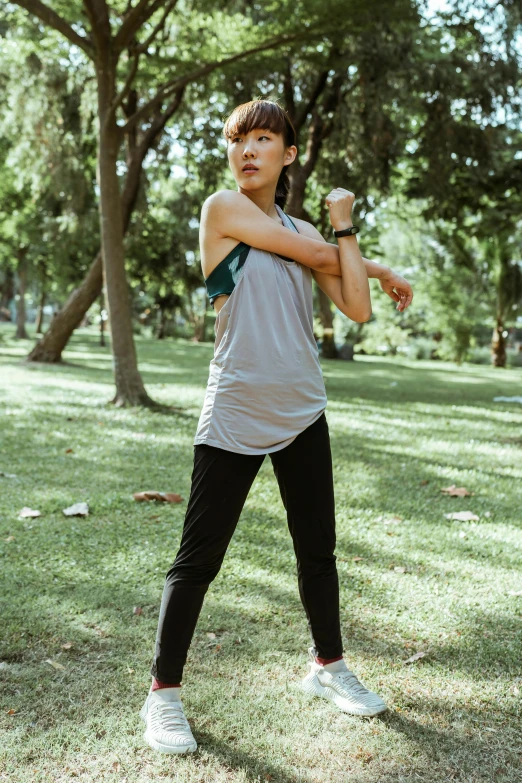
410 579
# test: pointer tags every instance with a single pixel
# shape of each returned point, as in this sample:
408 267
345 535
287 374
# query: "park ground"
80 595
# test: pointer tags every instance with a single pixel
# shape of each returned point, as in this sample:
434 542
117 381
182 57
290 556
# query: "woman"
265 395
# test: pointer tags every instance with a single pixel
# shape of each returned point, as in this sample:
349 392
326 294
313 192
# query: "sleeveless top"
223 278
265 382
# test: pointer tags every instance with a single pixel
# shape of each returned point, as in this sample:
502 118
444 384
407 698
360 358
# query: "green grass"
400 431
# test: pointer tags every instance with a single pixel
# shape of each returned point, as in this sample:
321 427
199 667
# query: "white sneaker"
342 688
167 730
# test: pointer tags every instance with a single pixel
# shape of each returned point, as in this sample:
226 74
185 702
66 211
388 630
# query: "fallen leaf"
77 510
400 569
217 648
425 481
462 516
116 766
10 712
129 670
67 646
211 635
169 497
388 520
68 451
355 559
416 657
456 491
54 664
29 512
137 610
392 520
10 538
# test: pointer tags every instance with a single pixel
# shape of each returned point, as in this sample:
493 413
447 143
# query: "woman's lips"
250 171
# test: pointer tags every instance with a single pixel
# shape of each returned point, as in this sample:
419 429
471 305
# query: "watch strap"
347 232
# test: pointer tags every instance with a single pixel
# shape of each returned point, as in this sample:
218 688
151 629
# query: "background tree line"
110 142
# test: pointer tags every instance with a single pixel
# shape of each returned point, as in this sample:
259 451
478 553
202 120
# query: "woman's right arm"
229 213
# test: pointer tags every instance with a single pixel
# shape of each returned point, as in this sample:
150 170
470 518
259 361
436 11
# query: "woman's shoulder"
223 199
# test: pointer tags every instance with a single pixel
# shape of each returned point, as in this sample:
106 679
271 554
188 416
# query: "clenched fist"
340 202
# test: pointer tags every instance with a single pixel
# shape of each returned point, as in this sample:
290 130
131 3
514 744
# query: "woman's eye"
238 138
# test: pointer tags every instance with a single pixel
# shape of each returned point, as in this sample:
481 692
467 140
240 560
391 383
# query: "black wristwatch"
347 232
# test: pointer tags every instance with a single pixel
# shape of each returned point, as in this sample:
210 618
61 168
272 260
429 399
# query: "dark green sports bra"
223 278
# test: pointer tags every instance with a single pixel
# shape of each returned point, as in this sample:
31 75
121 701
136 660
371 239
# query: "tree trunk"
162 323
328 348
200 328
498 345
129 385
54 341
39 316
21 333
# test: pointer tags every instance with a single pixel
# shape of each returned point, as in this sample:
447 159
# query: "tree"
117 39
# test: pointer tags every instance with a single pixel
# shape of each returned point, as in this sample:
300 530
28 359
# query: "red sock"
324 661
157 684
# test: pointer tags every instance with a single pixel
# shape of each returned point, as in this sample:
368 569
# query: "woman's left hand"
402 294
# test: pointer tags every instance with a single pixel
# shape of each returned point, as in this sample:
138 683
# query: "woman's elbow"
359 316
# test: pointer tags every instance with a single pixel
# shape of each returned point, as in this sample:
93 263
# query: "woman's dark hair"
268 115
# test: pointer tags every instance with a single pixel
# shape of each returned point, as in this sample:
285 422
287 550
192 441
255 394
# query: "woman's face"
264 152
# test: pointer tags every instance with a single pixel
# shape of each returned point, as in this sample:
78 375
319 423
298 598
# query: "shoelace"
169 715
349 681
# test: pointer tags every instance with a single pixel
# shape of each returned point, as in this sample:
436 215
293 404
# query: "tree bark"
39 316
21 333
498 345
129 385
50 347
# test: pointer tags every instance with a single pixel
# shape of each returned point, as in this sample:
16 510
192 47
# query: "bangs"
262 114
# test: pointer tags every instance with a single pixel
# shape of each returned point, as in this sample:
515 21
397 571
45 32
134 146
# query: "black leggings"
221 481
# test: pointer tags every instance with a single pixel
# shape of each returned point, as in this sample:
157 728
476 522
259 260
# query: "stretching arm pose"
339 270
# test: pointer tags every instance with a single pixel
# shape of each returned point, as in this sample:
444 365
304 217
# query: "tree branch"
309 106
54 20
175 84
128 84
133 21
160 121
168 8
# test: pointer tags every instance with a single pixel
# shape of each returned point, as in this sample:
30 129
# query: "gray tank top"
265 383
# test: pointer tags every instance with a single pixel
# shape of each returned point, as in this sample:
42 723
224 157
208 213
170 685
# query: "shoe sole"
165 748
311 686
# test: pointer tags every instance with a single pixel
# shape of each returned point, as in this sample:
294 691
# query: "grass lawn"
411 579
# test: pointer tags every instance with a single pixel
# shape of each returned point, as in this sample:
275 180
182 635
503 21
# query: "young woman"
265 395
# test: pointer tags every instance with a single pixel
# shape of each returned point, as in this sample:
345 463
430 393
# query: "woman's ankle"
158 684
